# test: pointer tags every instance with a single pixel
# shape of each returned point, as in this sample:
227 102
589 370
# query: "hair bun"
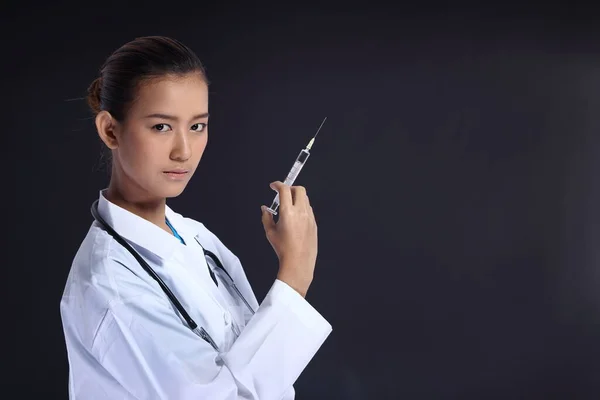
93 96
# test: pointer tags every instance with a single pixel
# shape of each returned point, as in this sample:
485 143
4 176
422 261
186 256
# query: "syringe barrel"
295 170
292 175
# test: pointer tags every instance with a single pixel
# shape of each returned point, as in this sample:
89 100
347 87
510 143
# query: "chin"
170 192
173 193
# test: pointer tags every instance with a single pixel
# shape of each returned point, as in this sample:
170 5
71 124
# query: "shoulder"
106 265
102 274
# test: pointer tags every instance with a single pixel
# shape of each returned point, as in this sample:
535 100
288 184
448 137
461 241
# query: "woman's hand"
293 237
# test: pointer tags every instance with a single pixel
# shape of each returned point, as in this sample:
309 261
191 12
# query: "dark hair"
139 60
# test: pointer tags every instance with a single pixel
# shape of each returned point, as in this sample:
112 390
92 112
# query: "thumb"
267 220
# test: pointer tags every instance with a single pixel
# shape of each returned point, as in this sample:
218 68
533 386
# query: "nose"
182 149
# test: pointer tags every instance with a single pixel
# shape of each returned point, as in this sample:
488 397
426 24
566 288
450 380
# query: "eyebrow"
173 118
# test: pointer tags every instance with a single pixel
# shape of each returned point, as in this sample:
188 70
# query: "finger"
311 212
267 219
285 195
299 197
308 201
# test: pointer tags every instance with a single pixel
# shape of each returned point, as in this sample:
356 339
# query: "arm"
144 345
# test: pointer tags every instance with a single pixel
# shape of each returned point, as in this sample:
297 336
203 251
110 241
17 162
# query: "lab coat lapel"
197 261
197 242
197 299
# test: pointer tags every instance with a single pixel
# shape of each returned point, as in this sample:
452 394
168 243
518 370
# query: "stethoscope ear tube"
151 272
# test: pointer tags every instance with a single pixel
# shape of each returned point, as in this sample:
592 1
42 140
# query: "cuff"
283 294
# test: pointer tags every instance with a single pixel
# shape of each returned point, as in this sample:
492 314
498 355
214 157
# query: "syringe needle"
314 137
319 128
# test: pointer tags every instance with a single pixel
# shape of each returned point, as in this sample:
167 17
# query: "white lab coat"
125 340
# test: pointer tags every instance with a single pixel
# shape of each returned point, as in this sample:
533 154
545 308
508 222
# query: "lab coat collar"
142 232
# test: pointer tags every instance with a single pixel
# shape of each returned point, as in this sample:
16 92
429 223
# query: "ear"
107 128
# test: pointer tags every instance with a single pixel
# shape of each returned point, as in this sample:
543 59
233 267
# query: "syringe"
293 174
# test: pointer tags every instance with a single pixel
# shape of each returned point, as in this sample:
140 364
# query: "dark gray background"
455 183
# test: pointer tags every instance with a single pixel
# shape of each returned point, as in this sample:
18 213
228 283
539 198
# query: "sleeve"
143 344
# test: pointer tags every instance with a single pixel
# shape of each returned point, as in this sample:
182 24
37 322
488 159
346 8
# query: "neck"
138 203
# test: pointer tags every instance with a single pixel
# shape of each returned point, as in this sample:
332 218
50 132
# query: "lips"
177 174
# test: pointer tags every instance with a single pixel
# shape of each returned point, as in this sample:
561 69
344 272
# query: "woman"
125 338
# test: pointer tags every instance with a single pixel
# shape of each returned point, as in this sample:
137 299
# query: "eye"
161 127
199 127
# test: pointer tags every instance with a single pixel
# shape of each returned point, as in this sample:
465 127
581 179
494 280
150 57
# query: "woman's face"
163 137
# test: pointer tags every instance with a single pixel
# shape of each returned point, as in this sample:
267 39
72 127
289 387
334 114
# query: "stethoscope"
200 331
